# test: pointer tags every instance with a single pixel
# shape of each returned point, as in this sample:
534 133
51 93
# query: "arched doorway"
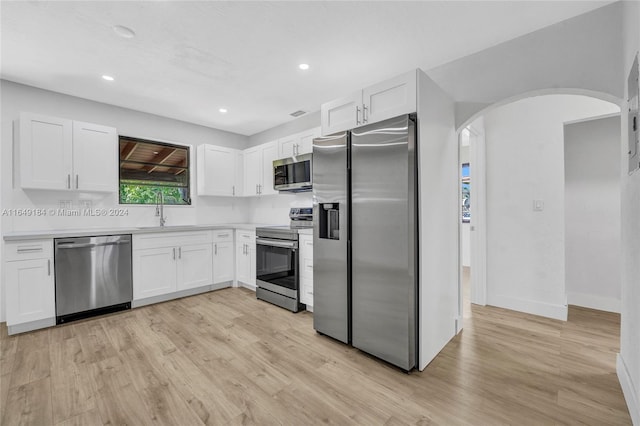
518 224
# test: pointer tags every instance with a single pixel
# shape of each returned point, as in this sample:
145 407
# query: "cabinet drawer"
306 292
25 250
246 236
306 268
222 235
171 239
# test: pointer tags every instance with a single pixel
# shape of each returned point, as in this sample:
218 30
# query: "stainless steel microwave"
293 174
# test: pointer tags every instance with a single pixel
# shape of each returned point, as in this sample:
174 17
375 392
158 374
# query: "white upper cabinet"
95 157
218 171
46 152
390 98
298 144
341 114
269 154
387 99
62 154
258 167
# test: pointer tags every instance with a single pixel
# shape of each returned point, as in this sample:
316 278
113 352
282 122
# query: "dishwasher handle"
91 245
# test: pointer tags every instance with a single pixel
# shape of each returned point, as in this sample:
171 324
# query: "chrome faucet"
160 207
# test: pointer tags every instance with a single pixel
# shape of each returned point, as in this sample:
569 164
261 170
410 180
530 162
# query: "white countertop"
58 233
306 231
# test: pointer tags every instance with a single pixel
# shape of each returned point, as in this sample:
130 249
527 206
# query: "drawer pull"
29 249
223 235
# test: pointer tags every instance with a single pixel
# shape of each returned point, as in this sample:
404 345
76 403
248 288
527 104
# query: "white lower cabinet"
223 265
154 272
194 266
165 263
306 269
246 258
30 285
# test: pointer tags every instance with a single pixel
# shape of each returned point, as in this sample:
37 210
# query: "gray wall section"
18 97
582 53
306 122
592 213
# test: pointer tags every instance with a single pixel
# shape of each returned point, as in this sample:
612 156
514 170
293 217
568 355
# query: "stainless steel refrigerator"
365 239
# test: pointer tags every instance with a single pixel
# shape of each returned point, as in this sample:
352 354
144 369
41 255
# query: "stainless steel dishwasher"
93 276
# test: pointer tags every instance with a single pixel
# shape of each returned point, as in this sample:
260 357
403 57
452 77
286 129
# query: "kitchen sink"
166 227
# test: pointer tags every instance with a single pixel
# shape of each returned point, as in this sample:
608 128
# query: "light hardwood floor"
226 358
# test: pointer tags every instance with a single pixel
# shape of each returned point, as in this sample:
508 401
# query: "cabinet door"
390 98
95 157
252 171
305 140
251 254
194 266
242 263
341 114
238 159
216 170
222 262
287 146
269 154
154 272
30 291
45 145
306 291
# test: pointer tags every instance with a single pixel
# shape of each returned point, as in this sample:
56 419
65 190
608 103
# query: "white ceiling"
188 59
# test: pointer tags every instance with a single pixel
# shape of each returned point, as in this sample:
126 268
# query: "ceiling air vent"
298 113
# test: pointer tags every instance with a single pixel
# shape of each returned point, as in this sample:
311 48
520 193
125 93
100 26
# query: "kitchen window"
147 167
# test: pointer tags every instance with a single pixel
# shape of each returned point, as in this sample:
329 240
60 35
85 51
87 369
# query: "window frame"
171 144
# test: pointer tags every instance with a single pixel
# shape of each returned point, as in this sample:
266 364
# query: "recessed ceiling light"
223 110
123 31
303 66
155 152
107 77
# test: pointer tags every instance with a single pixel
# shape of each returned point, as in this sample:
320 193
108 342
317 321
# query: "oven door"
277 266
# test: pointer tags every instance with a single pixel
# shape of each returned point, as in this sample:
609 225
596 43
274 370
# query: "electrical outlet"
65 204
538 205
85 204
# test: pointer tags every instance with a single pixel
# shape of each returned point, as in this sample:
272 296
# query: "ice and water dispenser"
329 228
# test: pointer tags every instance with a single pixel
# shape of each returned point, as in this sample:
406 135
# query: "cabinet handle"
257 189
260 189
357 114
76 181
233 190
49 267
179 252
295 149
29 249
174 253
223 235
215 248
246 249
69 181
364 114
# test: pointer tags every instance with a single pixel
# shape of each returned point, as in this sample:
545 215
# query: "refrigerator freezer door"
383 173
330 237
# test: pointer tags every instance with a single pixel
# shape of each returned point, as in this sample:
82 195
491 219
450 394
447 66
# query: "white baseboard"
629 390
600 303
548 310
245 285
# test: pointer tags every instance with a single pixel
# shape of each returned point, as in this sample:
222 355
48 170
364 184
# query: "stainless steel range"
277 261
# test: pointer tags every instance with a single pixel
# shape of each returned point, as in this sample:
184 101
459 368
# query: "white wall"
524 162
17 98
592 213
629 358
582 53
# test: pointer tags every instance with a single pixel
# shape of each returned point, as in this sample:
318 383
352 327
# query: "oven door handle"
277 243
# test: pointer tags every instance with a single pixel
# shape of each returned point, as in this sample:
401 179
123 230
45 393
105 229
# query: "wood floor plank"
226 358
29 404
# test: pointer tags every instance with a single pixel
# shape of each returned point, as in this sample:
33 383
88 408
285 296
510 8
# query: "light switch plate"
538 205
